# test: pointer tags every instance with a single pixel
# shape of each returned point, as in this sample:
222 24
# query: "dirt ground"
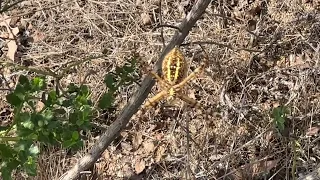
262 55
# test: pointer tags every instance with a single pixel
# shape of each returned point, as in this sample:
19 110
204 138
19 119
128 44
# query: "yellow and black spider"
174 72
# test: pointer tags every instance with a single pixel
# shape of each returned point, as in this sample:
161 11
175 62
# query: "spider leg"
159 79
154 99
188 78
195 72
188 100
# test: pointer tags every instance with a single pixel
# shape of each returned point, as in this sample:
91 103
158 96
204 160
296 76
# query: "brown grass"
233 138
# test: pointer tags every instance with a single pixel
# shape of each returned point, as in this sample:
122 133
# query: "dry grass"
233 138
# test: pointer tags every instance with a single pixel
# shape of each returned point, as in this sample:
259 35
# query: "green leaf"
52 98
82 100
84 90
79 122
30 166
279 116
86 110
40 123
14 99
6 151
34 150
119 70
47 115
20 147
72 88
4 128
6 173
67 103
68 143
24 116
109 80
106 101
130 66
75 135
73 117
60 111
28 124
23 80
128 69
38 83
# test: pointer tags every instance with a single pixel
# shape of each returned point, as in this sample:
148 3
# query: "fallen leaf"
145 18
160 152
242 130
140 166
312 131
268 136
106 155
38 36
158 136
137 140
39 106
264 166
126 146
254 170
148 147
297 60
138 3
11 43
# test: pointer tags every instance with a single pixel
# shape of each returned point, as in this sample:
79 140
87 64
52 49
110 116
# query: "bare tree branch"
141 94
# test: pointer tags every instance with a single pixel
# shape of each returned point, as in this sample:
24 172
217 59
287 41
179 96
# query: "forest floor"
263 65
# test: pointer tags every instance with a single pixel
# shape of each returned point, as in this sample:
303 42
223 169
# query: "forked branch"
140 95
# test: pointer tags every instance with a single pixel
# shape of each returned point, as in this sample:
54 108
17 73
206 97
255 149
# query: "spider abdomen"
174 66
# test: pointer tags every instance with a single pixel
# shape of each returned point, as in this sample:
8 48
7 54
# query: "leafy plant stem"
7 138
17 113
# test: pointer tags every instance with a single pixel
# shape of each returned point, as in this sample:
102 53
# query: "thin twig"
31 69
34 11
166 25
6 7
160 20
136 101
221 45
238 149
6 82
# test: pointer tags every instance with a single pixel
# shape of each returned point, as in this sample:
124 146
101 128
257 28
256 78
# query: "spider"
174 70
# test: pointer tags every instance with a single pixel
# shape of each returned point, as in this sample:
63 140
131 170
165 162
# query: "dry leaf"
160 153
146 20
138 3
148 147
38 36
242 130
268 136
264 166
39 106
126 146
140 166
106 155
127 171
11 43
297 60
312 131
137 140
158 136
252 171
